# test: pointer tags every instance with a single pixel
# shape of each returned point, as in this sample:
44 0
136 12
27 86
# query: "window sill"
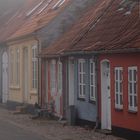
33 92
92 101
132 111
119 109
81 98
14 87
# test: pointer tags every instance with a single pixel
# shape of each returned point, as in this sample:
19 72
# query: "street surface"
9 131
22 127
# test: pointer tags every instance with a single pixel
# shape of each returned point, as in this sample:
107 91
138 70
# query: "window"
92 81
53 76
11 67
59 77
44 7
132 88
35 8
34 67
82 77
58 4
17 66
119 87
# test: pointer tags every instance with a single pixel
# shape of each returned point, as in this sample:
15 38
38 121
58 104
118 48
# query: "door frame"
105 98
4 94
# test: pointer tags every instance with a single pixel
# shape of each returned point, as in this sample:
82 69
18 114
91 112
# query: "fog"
9 4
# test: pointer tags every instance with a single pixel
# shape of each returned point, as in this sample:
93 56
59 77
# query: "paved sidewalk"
51 130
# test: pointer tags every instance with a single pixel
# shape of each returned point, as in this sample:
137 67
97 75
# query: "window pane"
91 80
121 100
135 88
117 99
130 100
130 75
120 75
135 101
84 78
84 67
121 87
80 89
84 89
116 86
91 67
135 75
116 74
130 88
91 90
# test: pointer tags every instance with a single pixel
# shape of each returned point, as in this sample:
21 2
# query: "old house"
23 50
112 40
44 22
6 17
73 72
51 91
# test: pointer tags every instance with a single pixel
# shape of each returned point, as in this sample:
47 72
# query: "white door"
105 96
71 82
4 77
25 74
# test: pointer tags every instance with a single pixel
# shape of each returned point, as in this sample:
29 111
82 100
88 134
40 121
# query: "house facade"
23 66
79 81
54 67
114 40
5 21
4 74
121 81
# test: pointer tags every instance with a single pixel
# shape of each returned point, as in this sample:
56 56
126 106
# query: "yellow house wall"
16 93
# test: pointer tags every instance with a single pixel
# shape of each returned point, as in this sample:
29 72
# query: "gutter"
64 54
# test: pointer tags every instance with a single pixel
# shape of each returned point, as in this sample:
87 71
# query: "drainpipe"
97 101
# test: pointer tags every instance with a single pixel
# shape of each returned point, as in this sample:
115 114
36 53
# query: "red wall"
122 118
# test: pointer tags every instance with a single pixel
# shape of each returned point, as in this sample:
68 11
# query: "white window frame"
118 87
132 81
17 66
34 9
11 67
58 4
92 81
53 76
81 74
59 78
34 68
44 7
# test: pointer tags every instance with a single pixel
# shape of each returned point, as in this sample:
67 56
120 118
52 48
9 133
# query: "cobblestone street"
51 130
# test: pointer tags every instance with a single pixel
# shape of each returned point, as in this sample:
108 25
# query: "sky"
7 4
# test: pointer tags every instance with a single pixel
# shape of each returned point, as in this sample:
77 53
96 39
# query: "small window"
34 9
119 87
82 77
58 4
44 7
92 81
132 88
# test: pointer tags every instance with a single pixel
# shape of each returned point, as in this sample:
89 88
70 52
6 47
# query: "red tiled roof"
14 19
115 29
39 19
